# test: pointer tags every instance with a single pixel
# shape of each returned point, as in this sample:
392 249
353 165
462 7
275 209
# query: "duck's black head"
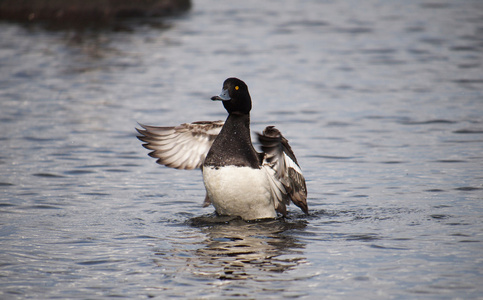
235 96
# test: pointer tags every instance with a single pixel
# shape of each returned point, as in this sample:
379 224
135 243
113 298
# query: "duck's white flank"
239 191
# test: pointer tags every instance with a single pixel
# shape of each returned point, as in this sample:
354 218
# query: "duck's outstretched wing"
287 181
181 147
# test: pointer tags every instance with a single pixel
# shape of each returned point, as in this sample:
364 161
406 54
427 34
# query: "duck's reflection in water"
236 249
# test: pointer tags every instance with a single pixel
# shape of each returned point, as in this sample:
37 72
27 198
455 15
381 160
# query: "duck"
239 181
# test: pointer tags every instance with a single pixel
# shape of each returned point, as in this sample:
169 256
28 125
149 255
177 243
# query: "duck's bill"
224 96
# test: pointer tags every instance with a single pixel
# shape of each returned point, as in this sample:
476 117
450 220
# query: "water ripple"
381 104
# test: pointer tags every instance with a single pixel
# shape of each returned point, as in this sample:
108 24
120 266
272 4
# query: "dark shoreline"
88 10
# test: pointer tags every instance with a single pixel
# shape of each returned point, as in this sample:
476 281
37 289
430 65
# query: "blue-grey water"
382 102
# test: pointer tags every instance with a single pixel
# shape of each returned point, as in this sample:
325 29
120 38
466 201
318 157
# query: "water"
382 103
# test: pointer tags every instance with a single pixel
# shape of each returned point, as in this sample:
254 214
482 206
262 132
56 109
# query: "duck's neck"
233 144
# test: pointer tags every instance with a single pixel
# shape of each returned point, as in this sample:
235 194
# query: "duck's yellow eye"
237 87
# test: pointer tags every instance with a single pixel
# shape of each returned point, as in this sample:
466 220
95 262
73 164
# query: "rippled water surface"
382 102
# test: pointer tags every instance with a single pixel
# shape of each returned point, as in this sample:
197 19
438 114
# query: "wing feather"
181 147
287 180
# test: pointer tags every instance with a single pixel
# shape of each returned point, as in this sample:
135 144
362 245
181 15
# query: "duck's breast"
239 191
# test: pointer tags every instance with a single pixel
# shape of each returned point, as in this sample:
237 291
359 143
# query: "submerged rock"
88 10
